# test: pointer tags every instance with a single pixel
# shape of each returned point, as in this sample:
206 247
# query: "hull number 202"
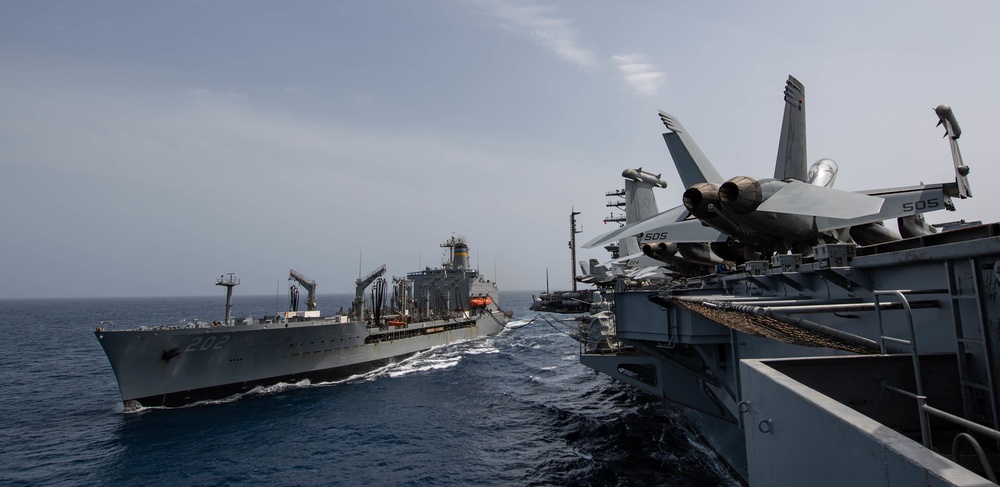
207 343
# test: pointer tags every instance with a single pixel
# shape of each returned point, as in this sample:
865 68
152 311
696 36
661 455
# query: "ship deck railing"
925 410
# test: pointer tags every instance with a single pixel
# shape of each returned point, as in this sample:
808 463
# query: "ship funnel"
460 259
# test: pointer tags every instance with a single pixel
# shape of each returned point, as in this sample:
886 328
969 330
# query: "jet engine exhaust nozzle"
699 197
741 194
660 251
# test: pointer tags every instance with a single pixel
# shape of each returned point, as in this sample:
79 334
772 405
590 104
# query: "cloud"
542 25
641 76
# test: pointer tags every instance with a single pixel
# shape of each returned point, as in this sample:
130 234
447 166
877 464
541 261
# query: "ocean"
513 409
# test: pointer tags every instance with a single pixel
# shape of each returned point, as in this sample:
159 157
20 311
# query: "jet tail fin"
692 165
947 118
640 202
791 161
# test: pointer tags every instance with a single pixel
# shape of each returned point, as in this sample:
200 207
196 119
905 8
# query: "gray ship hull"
176 366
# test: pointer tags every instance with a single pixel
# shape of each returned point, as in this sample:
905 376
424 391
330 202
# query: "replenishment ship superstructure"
176 365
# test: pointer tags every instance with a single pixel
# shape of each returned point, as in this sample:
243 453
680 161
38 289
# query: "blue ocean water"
514 409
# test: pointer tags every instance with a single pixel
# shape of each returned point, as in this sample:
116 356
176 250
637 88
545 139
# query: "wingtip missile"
644 177
946 117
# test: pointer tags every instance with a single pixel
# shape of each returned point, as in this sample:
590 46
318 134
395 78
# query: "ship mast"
228 280
572 246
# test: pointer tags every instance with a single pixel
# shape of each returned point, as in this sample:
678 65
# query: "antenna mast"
572 243
228 280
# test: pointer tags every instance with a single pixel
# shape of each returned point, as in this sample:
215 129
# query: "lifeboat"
480 302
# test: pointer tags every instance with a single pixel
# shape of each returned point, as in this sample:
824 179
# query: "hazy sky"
148 147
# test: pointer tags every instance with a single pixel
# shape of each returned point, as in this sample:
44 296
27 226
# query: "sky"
146 148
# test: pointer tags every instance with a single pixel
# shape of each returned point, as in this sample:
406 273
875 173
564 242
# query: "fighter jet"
640 204
746 218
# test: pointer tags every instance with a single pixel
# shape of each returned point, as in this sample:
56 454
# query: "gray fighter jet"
633 263
745 218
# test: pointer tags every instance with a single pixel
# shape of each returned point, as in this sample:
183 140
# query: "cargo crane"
358 306
306 283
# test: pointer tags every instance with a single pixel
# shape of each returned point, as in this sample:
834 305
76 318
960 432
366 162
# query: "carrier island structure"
177 365
855 361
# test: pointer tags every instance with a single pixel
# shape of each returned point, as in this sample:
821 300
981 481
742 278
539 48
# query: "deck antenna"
359 263
572 242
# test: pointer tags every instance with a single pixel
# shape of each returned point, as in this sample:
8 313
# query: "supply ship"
823 347
177 365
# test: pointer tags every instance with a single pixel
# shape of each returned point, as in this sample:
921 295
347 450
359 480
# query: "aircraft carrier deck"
825 349
862 366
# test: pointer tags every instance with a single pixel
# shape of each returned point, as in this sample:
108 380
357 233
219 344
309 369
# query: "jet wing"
692 165
899 202
808 199
687 231
623 259
672 215
645 273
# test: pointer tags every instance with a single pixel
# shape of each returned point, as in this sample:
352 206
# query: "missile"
946 117
644 177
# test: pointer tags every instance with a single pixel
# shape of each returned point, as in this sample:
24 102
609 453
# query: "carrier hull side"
951 279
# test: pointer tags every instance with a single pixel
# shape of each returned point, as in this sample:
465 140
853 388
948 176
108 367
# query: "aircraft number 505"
922 205
209 343
654 236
